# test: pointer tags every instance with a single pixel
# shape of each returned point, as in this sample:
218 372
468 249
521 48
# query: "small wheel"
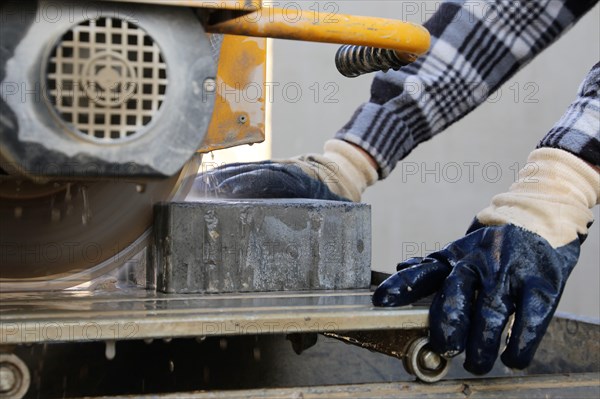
14 377
421 362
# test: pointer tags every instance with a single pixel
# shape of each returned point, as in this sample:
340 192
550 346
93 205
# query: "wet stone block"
261 245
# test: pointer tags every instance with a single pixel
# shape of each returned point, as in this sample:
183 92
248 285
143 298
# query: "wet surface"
140 314
185 365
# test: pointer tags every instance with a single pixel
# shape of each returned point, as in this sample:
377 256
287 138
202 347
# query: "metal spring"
353 61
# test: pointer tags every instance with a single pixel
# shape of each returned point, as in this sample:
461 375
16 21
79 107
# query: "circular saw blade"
58 235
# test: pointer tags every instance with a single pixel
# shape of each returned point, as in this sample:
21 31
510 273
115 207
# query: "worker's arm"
518 253
476 47
341 173
578 131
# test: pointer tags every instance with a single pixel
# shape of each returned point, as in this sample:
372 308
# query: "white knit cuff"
552 197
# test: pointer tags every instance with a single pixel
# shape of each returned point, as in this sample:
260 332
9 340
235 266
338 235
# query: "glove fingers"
450 312
411 284
491 315
227 171
264 183
532 317
209 183
261 180
537 303
255 170
408 263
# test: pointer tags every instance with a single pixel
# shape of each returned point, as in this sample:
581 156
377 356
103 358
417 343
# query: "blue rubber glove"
262 180
482 279
341 173
514 260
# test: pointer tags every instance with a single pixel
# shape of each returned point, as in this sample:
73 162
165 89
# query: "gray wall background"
414 214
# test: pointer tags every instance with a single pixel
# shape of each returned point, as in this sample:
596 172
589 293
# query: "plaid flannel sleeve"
476 46
578 131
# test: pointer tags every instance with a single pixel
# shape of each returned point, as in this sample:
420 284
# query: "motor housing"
120 93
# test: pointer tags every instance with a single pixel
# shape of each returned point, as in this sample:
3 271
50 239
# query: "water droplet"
206 374
256 354
200 339
68 193
171 366
86 213
55 215
211 186
111 350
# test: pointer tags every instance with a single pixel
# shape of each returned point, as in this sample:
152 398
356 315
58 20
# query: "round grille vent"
106 78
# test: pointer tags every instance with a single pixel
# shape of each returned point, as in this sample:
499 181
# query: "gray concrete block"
261 245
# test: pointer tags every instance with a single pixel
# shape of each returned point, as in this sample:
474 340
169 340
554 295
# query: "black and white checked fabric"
476 47
578 131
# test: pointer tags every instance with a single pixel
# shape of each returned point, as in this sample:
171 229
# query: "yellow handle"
403 37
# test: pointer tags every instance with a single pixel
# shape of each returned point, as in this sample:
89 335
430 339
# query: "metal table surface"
576 386
568 355
139 314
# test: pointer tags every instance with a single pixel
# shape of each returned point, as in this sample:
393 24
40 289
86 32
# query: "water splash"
54 211
256 354
211 185
68 199
86 213
223 344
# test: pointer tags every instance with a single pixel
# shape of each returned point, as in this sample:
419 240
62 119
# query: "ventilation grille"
107 79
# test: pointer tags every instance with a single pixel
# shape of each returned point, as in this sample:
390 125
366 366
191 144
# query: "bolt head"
8 379
210 85
431 360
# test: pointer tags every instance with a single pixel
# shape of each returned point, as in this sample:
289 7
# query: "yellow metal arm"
369 44
402 37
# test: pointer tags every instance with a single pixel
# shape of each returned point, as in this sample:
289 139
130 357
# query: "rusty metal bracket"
409 345
570 345
389 342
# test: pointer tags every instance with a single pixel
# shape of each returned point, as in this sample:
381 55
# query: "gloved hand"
515 259
341 173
